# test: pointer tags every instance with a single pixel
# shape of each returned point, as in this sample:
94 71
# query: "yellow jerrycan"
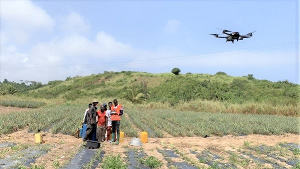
144 137
38 138
122 135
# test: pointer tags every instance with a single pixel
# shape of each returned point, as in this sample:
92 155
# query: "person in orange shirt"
102 123
116 113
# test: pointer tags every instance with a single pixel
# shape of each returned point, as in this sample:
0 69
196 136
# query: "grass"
97 156
151 162
188 123
114 162
67 118
22 103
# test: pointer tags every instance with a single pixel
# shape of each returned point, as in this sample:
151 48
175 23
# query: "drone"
231 36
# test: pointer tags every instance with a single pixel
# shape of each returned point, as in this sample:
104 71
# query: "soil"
64 147
5 110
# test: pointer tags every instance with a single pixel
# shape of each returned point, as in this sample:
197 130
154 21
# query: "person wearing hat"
102 123
91 121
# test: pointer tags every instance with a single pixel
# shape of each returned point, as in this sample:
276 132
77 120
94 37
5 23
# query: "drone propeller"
224 30
214 34
250 34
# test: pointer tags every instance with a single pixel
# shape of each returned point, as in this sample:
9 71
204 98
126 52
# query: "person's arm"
97 117
84 117
121 111
106 121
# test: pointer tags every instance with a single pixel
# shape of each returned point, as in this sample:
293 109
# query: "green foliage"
221 73
7 89
188 123
151 162
22 103
64 119
136 87
113 162
136 93
55 82
250 77
11 88
297 166
176 71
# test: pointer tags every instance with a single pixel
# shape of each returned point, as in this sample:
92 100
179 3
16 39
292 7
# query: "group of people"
106 120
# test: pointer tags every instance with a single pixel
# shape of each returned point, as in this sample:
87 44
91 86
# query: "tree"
221 73
250 77
176 71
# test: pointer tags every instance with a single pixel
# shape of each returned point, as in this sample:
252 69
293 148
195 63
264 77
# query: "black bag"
92 144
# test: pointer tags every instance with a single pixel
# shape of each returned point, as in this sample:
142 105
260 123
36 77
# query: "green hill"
167 88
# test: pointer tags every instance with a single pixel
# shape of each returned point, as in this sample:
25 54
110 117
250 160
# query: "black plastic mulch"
270 152
84 156
212 159
23 157
133 156
168 154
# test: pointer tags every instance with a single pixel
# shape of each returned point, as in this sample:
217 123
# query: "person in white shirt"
109 125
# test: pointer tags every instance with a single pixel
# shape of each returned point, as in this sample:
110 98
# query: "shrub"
176 71
151 162
221 73
113 162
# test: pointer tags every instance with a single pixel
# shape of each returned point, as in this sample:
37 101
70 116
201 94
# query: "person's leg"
88 132
103 133
113 130
98 133
94 133
118 132
108 133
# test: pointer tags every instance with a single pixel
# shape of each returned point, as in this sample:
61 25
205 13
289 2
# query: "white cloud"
74 23
20 19
172 26
73 53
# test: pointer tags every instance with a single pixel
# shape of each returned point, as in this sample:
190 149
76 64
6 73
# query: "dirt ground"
5 110
185 144
65 146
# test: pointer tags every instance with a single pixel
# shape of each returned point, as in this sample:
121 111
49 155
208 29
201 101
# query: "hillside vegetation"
198 92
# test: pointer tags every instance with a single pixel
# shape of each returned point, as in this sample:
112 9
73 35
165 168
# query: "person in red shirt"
102 123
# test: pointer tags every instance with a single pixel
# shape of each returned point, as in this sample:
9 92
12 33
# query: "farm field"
177 139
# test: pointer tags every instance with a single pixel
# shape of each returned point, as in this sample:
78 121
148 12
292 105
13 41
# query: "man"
85 121
108 124
91 121
101 125
84 117
116 113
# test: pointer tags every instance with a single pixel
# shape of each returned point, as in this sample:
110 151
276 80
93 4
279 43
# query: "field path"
65 147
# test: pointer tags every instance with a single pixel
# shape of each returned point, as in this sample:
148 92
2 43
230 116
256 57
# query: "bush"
176 71
151 162
113 162
221 73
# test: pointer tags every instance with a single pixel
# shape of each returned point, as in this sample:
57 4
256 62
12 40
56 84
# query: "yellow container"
38 138
122 135
109 137
144 137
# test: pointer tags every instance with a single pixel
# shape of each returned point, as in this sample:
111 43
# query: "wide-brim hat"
95 101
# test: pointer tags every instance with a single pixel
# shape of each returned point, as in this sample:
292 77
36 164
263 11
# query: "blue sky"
51 40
